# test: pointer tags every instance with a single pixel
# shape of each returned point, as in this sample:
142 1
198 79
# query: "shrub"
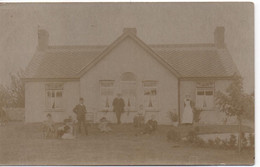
224 144
243 140
251 139
217 142
173 116
196 114
200 142
232 141
173 135
211 142
192 136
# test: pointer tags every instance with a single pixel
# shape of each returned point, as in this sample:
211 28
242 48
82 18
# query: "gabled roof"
183 60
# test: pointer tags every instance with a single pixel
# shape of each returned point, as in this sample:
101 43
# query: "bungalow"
155 76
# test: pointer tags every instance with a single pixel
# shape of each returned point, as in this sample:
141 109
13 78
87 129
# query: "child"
150 126
48 126
66 131
139 118
103 125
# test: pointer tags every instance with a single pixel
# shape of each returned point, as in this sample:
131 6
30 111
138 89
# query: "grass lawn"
22 144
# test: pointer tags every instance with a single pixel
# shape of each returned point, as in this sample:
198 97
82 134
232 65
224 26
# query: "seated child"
103 125
48 126
150 126
66 130
139 118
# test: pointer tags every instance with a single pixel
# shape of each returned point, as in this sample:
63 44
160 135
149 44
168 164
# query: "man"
118 107
80 111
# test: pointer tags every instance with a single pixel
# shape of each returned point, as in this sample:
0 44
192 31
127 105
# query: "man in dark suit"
80 111
118 107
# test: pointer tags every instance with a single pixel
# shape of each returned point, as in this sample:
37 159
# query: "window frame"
204 87
54 87
104 108
132 107
154 86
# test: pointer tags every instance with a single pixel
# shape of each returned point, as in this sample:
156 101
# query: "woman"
187 117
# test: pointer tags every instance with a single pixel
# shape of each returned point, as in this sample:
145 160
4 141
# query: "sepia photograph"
121 83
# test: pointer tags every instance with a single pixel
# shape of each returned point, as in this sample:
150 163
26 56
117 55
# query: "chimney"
130 30
43 39
219 37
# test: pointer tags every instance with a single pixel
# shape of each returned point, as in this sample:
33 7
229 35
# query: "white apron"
187 116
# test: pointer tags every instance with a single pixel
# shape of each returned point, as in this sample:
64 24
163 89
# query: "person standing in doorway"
118 107
80 110
187 117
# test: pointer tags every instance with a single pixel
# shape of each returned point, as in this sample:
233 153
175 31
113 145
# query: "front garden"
23 144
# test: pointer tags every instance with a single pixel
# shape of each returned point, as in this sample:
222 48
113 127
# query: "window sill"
152 110
113 111
54 110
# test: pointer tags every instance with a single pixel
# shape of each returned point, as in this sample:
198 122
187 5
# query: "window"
150 95
106 94
54 96
128 90
205 95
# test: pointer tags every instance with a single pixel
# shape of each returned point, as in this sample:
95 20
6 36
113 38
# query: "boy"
139 118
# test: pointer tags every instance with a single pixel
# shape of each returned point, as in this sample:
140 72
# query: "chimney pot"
219 37
43 39
131 30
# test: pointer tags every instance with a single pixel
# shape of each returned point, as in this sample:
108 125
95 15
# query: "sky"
101 24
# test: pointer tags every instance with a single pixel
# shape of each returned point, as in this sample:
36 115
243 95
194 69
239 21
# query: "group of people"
68 129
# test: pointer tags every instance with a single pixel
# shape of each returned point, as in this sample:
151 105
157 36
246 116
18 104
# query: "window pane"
58 102
150 84
58 94
200 92
209 93
106 83
52 93
150 95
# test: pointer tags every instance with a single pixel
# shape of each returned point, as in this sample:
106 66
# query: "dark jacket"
80 111
118 105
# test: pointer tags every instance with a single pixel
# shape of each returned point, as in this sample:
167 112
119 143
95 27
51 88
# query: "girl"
103 125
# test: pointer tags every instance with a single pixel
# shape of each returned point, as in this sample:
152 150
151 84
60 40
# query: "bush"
192 136
211 143
224 144
173 116
173 135
243 140
200 142
251 139
232 141
217 142
196 114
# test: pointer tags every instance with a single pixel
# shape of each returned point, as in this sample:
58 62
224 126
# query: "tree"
234 102
13 95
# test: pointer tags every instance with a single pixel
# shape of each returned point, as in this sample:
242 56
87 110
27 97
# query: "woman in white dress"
187 117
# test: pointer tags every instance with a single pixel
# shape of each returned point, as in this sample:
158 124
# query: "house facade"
155 76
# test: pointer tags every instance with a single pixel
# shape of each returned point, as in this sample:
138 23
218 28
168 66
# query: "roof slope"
189 60
197 60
